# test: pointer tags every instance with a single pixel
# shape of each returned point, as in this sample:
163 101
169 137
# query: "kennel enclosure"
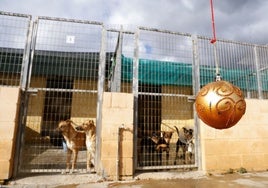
67 69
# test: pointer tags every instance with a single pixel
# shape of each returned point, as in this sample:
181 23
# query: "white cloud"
191 16
188 4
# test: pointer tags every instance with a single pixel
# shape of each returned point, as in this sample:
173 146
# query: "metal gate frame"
137 94
27 90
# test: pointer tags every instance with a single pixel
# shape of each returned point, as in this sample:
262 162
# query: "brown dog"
184 146
155 143
75 141
163 144
90 129
190 147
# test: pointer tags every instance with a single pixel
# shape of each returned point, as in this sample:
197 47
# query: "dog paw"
89 170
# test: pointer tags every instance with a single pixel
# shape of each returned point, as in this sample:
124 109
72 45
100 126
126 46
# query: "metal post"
135 90
257 64
26 56
24 98
196 88
101 81
120 129
33 43
116 79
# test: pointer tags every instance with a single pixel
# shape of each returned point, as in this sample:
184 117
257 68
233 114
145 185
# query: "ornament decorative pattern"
220 104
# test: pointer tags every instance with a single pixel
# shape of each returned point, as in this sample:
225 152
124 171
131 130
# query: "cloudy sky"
240 20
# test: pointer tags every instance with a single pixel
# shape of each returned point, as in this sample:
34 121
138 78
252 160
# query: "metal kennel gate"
61 84
70 63
163 87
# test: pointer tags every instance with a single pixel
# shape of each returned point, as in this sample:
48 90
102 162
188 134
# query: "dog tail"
177 130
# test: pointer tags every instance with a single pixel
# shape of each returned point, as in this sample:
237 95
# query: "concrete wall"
35 112
244 145
117 110
9 105
84 105
176 111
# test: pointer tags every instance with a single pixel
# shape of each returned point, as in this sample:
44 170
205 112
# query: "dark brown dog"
90 130
75 141
157 144
163 144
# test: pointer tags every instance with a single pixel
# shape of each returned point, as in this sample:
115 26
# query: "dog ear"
154 134
93 124
68 121
185 130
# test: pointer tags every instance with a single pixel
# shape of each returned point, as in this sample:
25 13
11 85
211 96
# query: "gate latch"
32 91
191 98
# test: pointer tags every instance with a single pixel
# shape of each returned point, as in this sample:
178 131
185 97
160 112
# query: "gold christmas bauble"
220 104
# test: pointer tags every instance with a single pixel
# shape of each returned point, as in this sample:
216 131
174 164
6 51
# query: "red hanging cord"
213 23
213 41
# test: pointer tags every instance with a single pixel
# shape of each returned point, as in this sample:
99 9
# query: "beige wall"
117 110
84 105
176 111
9 105
244 145
35 111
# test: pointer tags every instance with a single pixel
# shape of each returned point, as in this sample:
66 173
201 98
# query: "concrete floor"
190 179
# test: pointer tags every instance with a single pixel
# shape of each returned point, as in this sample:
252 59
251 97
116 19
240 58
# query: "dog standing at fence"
184 146
163 144
190 147
155 143
90 130
75 141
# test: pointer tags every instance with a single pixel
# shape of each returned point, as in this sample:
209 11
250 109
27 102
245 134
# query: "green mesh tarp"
158 72
180 74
